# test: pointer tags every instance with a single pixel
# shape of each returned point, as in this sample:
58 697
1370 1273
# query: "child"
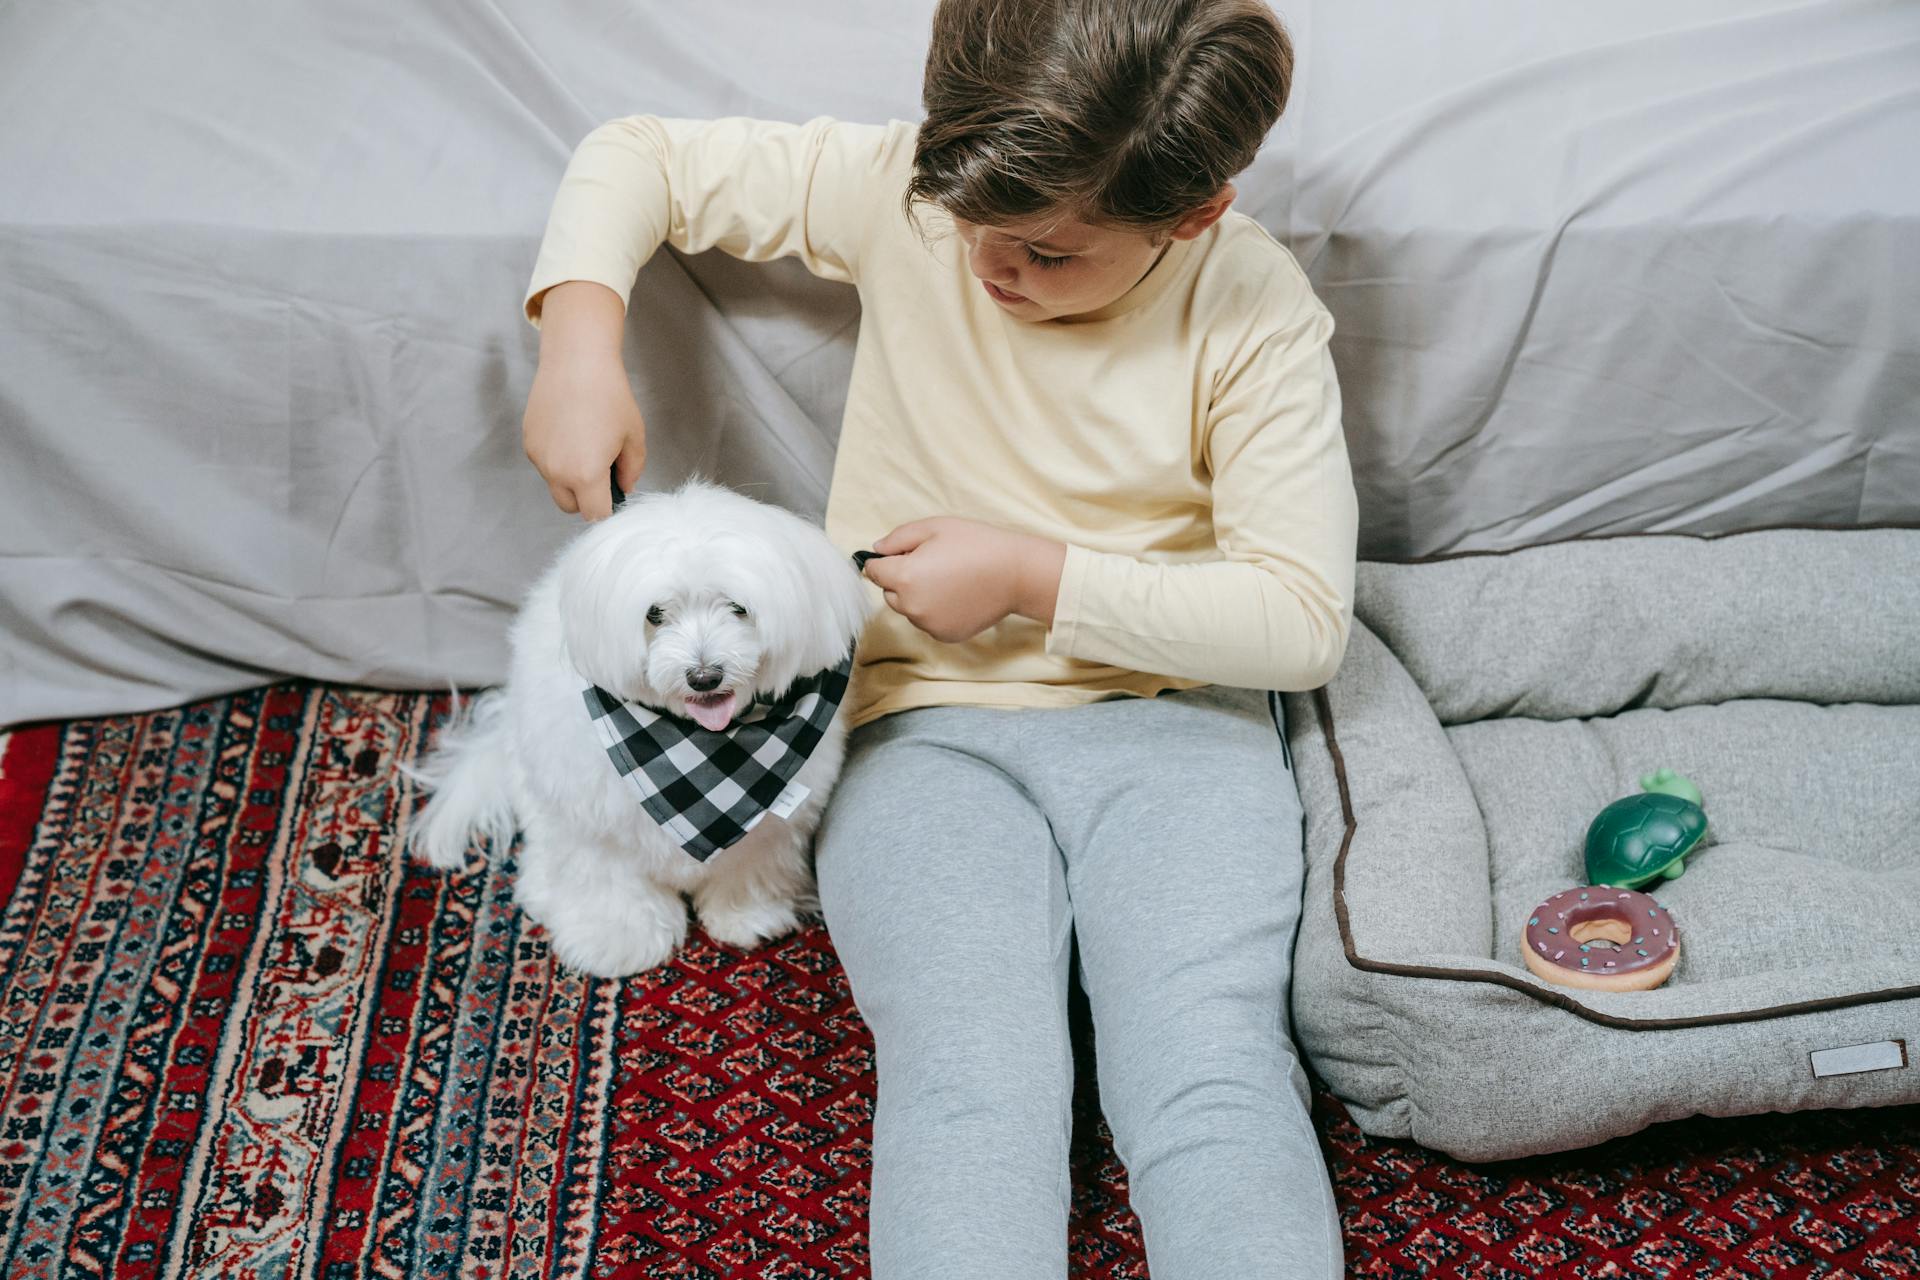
1094 427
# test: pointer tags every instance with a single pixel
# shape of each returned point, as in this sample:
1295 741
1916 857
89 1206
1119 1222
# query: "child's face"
1054 266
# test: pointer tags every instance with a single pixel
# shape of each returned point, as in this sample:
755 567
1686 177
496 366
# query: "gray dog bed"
1489 707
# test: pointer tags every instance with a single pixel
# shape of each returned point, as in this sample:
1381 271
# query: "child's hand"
581 416
953 578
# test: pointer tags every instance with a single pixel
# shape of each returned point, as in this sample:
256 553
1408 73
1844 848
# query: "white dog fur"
594 868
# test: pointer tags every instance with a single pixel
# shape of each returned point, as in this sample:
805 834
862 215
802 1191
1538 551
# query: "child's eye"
1042 260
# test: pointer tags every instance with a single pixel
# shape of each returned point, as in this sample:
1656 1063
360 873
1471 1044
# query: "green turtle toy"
1647 837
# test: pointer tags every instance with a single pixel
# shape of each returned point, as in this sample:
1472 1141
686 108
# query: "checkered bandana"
708 788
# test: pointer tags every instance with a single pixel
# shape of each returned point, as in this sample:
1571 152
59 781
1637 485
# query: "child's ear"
1206 215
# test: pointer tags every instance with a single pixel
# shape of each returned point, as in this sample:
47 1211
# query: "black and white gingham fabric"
708 788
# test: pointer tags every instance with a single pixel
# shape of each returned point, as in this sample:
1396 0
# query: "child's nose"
989 266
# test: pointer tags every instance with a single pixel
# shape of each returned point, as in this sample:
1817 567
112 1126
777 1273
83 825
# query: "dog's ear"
843 599
601 647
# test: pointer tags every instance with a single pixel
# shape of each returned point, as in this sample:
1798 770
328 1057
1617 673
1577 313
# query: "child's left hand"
953 578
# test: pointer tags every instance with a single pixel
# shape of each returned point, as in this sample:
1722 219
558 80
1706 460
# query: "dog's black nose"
701 679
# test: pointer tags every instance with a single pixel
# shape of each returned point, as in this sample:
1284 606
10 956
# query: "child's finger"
628 466
903 539
596 501
880 571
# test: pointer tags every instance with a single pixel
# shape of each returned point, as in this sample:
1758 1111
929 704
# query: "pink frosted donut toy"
1601 938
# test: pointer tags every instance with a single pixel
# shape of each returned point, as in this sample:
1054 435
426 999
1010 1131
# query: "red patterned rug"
240 1037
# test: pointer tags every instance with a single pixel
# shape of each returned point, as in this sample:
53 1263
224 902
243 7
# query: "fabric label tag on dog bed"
1877 1055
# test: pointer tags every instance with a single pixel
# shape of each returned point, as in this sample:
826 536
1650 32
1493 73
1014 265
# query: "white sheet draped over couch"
1647 265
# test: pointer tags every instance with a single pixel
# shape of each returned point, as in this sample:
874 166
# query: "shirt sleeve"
1273 612
756 189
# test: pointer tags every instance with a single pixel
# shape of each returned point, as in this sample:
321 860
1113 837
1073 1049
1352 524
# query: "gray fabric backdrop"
1647 265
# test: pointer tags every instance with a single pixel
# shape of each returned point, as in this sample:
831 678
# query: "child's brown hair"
1123 113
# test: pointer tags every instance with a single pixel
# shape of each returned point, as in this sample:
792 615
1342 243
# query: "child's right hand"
581 416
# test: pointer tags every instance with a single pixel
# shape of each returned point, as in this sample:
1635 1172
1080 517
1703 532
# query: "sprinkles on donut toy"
1601 938
1607 935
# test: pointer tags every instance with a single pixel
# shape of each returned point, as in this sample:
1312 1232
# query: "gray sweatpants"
964 849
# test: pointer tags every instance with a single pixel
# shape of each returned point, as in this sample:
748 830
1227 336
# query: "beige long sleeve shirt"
1183 441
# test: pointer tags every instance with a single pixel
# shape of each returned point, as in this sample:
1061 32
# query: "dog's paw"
436 840
616 944
748 924
441 855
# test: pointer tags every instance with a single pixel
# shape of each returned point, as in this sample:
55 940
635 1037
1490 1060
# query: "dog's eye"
655 616
739 610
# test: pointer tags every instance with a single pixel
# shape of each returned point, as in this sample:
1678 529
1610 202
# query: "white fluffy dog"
694 602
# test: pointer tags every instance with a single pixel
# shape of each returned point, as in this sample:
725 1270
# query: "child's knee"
1203 1084
960 1063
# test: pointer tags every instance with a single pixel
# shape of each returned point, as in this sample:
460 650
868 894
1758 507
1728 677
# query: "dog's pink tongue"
713 715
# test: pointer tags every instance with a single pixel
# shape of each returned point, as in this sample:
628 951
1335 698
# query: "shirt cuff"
610 276
1066 607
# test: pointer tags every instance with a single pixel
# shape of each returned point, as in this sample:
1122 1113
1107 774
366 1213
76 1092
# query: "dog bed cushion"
1491 704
